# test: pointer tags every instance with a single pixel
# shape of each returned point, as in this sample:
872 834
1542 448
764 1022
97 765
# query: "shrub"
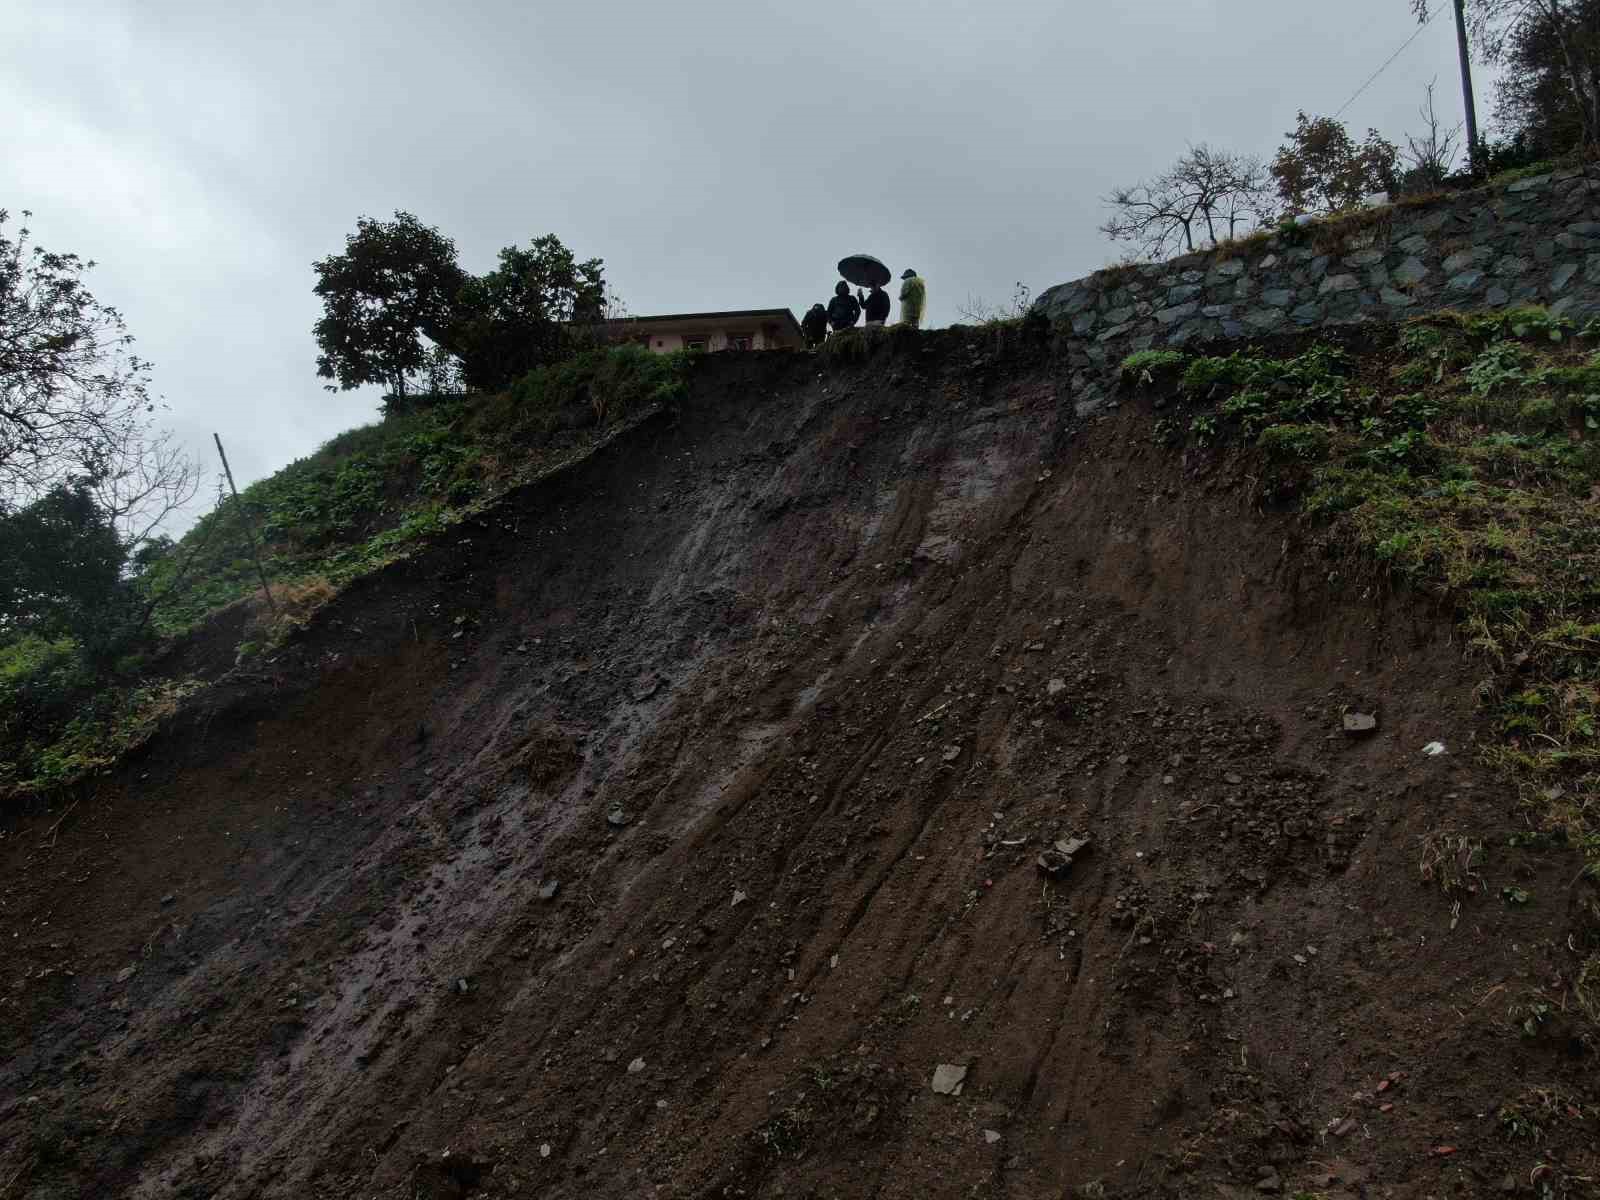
1584 377
606 383
1541 414
1150 366
41 681
1250 409
1409 449
1212 376
1498 366
1413 410
1306 443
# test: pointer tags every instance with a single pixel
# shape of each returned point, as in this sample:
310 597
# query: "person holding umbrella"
866 272
875 305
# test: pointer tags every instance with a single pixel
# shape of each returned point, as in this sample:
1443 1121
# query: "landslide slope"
661 832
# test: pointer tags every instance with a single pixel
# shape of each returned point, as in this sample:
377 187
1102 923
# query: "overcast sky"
715 155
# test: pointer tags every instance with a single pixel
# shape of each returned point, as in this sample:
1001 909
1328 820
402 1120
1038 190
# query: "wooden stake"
250 526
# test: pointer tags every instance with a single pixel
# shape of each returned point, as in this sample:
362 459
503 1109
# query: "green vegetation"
397 309
1151 366
58 722
1464 461
367 498
860 343
372 494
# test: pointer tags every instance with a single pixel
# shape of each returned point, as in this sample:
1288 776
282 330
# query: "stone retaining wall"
1534 241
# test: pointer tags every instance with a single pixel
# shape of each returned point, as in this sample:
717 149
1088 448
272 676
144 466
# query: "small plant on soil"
1501 365
1539 1110
1530 1015
1451 861
1297 443
1151 366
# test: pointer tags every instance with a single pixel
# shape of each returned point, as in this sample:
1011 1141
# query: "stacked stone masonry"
1534 241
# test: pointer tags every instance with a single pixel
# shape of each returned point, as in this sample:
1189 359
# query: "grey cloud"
716 155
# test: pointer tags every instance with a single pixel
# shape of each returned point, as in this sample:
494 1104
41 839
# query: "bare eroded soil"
662 834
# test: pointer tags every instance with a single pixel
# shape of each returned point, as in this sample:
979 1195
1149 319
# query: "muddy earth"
869 780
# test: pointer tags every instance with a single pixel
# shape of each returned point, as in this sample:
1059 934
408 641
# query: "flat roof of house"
715 316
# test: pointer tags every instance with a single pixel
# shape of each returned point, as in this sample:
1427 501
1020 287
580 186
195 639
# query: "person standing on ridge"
843 309
913 298
875 305
815 325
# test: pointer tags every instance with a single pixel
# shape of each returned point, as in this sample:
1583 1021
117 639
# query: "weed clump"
1151 367
1298 443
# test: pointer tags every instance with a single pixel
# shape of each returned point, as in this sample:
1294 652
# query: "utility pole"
250 526
1466 87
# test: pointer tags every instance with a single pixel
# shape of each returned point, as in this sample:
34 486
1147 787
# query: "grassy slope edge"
367 498
1459 455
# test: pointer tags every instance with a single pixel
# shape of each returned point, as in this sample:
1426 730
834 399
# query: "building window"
694 341
740 341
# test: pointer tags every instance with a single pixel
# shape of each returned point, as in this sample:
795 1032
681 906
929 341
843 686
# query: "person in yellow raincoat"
913 299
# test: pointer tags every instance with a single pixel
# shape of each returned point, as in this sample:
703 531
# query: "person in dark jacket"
843 309
815 325
875 305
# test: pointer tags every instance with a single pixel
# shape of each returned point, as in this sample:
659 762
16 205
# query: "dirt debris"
812 899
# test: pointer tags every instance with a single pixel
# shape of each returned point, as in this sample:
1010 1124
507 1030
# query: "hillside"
664 827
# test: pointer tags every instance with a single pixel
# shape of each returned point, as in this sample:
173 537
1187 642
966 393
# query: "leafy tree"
1322 169
61 570
1535 104
1208 194
75 405
521 315
1561 37
395 284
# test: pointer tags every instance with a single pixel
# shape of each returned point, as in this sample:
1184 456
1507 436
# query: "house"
745 329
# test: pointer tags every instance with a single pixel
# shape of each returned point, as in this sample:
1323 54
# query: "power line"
1415 35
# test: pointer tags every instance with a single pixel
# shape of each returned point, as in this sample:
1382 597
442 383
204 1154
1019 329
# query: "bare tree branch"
1431 155
75 405
1207 196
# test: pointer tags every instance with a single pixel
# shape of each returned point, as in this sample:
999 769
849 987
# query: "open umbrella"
863 270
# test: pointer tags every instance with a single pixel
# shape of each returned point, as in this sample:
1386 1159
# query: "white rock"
948 1079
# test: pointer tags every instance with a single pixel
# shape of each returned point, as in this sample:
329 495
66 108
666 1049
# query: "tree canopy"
1536 104
63 568
1561 36
397 309
394 286
1322 169
519 315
